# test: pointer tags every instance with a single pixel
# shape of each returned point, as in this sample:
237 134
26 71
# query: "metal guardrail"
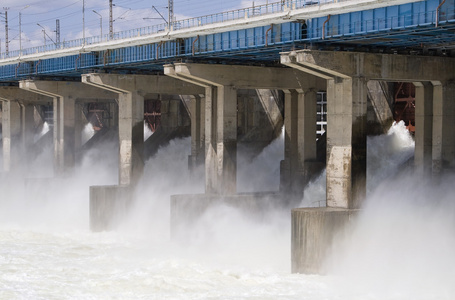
243 13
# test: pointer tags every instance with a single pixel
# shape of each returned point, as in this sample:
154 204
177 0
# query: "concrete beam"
385 67
243 77
11 93
143 84
76 90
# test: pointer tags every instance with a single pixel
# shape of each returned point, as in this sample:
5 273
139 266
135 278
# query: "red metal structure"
152 114
404 104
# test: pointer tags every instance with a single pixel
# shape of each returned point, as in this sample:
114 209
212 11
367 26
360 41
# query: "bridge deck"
251 35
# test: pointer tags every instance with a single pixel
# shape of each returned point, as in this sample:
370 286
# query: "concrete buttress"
347 74
109 203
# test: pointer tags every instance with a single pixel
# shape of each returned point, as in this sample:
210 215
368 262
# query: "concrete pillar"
131 137
197 114
424 127
300 141
28 123
443 129
64 134
346 142
27 129
11 130
221 140
227 139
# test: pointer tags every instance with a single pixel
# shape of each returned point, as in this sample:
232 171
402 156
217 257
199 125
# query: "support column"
424 127
443 129
131 137
227 139
197 112
11 127
211 166
300 141
27 129
64 134
221 140
346 141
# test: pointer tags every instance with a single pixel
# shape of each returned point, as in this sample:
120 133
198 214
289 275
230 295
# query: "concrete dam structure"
234 84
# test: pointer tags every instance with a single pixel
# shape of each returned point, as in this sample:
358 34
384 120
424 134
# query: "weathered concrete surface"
11 129
424 128
312 236
379 109
108 206
384 67
299 141
443 149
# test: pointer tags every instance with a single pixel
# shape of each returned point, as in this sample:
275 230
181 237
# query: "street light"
20 29
101 23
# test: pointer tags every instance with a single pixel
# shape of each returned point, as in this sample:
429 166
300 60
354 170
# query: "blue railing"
242 13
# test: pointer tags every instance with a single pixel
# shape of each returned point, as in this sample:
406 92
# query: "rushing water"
401 247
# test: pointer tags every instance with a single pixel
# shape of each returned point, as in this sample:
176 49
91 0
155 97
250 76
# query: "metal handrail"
258 10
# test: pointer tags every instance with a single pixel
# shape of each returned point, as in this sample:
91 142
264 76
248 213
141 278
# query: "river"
401 247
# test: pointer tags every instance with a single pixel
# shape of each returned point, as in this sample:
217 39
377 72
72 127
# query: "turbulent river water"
401 246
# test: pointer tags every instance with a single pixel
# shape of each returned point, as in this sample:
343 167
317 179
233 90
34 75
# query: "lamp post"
20 30
101 24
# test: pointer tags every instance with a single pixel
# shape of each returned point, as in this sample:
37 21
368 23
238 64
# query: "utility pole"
170 6
20 29
6 30
83 22
111 22
57 31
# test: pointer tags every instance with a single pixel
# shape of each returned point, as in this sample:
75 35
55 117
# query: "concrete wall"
313 233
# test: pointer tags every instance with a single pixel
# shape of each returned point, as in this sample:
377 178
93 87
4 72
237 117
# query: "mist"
402 243
400 246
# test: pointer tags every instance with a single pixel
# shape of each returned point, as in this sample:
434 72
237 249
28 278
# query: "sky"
127 14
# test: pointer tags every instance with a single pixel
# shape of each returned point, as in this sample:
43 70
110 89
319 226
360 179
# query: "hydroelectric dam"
321 74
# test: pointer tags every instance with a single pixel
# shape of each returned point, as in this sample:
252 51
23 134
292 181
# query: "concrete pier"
220 81
314 231
131 91
17 125
221 84
67 120
347 74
